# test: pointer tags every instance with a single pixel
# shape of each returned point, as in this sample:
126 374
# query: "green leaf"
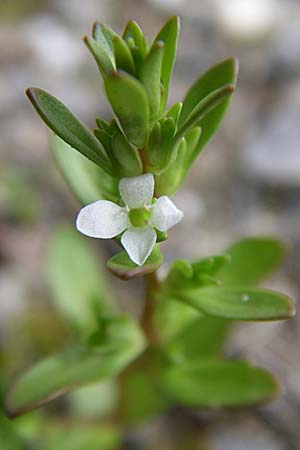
121 342
240 303
123 56
136 41
127 157
150 77
211 383
87 180
122 266
105 63
169 181
217 76
185 274
200 338
174 112
203 108
102 124
251 260
129 101
104 37
78 287
68 127
169 36
173 316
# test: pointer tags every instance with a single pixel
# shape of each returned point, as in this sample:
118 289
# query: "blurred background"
247 182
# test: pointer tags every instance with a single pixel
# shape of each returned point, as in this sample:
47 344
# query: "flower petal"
139 243
102 219
164 214
137 191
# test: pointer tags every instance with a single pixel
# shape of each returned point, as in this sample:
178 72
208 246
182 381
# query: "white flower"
104 219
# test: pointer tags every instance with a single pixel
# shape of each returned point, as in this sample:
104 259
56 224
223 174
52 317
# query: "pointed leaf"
68 127
239 303
123 56
130 104
251 260
122 266
223 73
77 366
104 37
87 180
150 77
174 112
103 60
211 383
169 36
137 42
127 157
204 107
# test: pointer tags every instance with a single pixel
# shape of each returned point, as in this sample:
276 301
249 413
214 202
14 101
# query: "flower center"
139 217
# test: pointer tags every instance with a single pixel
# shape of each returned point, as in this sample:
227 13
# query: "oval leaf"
78 287
78 366
87 180
251 260
129 101
211 383
58 117
239 303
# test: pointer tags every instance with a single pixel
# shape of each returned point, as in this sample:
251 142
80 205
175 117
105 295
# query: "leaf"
201 338
219 75
203 108
150 77
182 273
87 180
121 341
240 303
169 181
251 260
104 37
78 287
174 112
212 383
173 316
129 101
169 36
127 157
122 266
105 63
68 127
123 56
136 41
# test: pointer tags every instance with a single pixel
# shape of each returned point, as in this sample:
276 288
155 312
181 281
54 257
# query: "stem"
152 288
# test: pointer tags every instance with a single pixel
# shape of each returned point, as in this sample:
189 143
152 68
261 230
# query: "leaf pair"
202 111
219 286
